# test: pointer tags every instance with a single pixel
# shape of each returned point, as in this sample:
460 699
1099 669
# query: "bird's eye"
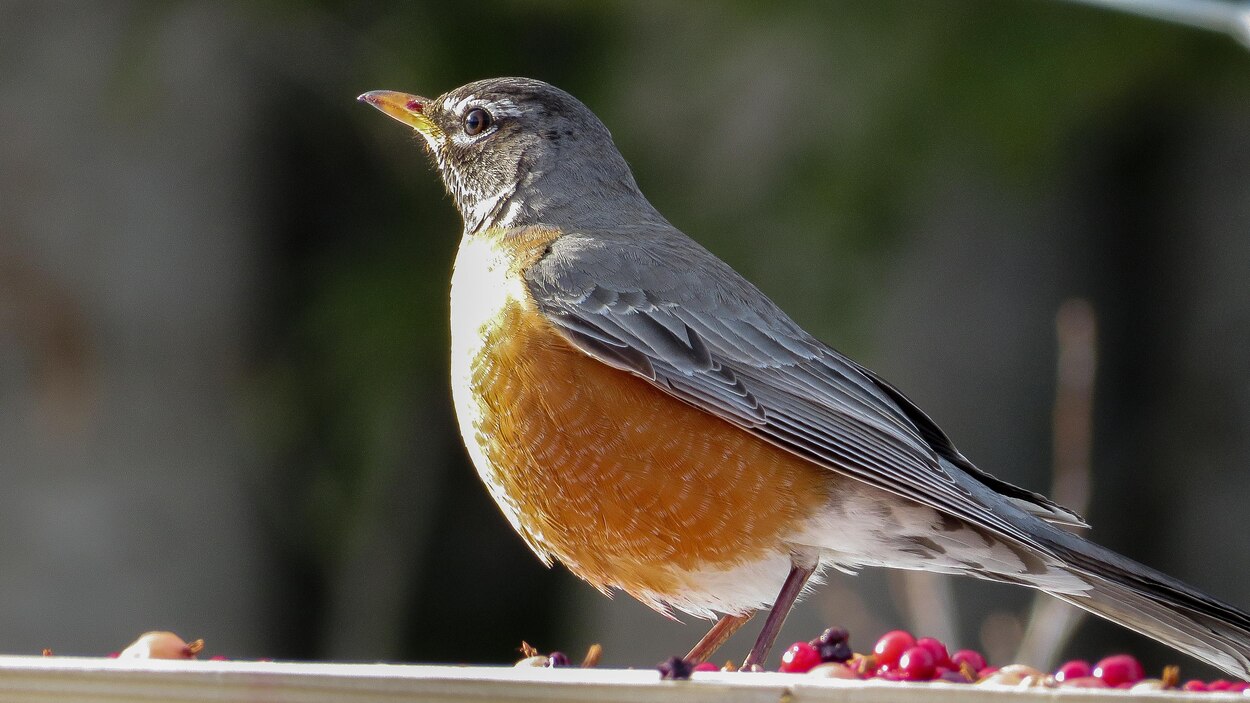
476 122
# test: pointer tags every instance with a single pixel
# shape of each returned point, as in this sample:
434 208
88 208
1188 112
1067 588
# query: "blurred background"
224 406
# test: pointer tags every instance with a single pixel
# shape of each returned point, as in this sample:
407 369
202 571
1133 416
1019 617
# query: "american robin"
647 417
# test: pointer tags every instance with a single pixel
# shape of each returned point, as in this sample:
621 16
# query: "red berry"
916 664
936 648
892 645
706 666
974 659
1219 685
799 658
1119 668
1074 669
1239 687
1193 685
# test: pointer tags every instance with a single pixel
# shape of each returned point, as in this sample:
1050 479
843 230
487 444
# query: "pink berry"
799 658
916 664
705 666
974 659
1219 685
936 648
1119 668
1239 687
1075 669
892 645
1193 685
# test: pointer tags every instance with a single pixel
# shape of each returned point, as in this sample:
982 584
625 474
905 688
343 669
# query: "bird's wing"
673 314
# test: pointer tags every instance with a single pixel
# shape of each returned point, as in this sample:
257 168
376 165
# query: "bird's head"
517 151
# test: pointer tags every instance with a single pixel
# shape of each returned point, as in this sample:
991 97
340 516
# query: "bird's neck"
554 199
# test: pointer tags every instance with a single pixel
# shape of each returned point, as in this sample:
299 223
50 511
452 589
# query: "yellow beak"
409 109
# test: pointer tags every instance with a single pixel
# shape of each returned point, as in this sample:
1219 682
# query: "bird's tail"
1155 604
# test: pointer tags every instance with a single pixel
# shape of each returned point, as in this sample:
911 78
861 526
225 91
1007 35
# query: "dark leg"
715 637
772 626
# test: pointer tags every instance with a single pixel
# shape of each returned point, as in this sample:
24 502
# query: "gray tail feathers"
1156 605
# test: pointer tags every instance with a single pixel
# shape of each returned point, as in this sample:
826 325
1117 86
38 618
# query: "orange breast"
617 479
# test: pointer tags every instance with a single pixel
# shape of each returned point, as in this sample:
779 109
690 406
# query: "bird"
647 417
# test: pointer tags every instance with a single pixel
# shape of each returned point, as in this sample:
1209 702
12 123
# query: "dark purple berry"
556 660
674 669
835 652
832 635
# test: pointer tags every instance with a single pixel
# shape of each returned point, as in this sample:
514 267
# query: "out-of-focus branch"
928 602
1231 17
1051 621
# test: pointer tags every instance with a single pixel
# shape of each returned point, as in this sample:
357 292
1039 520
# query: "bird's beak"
409 109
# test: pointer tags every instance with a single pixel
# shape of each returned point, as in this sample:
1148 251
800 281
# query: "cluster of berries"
899 656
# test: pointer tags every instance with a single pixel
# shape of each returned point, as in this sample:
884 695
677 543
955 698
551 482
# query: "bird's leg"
715 637
781 608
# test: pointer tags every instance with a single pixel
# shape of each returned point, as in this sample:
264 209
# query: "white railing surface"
87 680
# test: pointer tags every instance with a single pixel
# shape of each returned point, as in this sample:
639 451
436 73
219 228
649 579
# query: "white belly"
481 285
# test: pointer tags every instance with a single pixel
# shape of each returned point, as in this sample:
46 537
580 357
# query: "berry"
706 666
832 635
834 652
892 645
936 648
1118 669
1219 685
799 658
674 669
557 660
1193 685
916 664
1074 669
973 658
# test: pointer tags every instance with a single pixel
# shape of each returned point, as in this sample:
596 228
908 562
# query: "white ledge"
43 679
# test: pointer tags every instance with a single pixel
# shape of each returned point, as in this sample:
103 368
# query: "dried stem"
1052 622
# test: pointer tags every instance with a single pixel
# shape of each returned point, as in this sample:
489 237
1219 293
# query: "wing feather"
725 348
